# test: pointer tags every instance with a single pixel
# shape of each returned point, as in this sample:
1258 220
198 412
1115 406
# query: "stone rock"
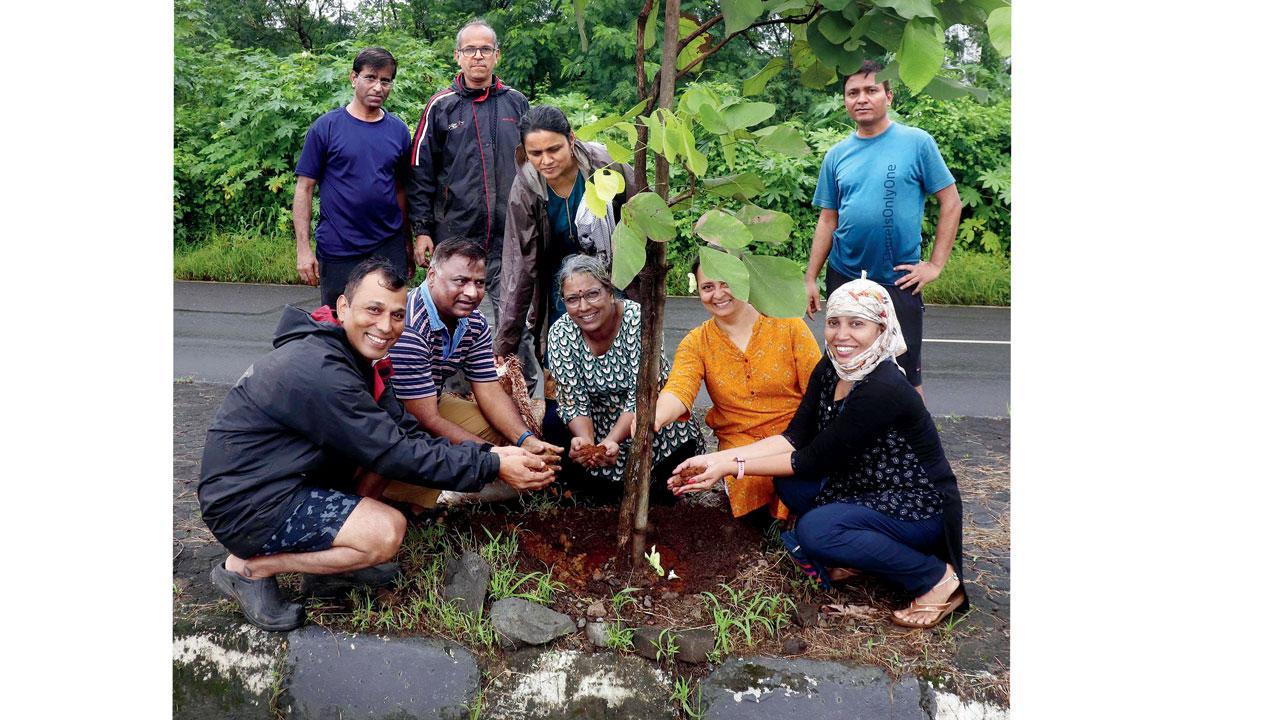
519 621
764 688
648 601
571 684
224 672
670 595
807 615
597 609
692 645
581 623
331 675
466 579
794 646
596 634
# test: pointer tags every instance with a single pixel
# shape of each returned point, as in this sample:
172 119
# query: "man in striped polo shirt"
445 333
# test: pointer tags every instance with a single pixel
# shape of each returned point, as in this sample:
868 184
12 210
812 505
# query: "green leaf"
720 265
609 183
766 226
588 132
618 151
745 114
908 9
920 56
647 213
817 76
694 49
650 29
754 85
655 134
729 148
739 14
777 286
695 97
784 139
850 12
628 129
635 110
837 4
628 255
742 186
591 196
883 28
831 54
1000 30
713 120
720 228
697 161
789 7
834 27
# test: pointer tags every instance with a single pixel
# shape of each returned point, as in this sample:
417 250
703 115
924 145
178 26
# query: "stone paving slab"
572 684
224 673
776 689
340 675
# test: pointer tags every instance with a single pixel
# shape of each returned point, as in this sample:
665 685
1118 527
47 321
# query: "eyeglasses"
371 79
483 51
591 297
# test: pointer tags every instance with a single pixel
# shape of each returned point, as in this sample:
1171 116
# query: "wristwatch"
742 466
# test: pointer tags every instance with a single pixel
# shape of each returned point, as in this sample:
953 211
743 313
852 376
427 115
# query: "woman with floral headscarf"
861 465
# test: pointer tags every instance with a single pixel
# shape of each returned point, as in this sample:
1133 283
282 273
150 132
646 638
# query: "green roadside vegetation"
970 278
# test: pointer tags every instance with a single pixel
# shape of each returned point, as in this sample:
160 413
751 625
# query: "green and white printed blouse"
602 388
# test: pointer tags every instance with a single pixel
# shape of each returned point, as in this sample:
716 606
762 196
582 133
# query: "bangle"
742 466
524 436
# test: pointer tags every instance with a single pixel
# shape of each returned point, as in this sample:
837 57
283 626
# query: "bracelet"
524 436
742 466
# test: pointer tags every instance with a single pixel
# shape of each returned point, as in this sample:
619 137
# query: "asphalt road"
220 328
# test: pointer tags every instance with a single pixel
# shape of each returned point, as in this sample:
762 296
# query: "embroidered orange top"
754 394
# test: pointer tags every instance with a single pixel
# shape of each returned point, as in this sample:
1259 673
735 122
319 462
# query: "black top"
878 447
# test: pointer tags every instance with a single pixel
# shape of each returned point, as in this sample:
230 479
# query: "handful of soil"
687 474
593 454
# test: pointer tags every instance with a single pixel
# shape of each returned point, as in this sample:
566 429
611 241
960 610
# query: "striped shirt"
427 354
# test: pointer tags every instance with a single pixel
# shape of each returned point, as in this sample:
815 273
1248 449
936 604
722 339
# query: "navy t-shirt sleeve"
311 161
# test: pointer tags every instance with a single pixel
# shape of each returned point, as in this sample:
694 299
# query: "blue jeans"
855 536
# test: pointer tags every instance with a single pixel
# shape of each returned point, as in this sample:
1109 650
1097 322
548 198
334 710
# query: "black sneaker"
335 586
259 600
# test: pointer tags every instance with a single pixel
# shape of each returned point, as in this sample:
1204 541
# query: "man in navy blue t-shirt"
359 156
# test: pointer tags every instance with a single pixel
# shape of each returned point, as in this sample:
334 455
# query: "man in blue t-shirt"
359 156
871 192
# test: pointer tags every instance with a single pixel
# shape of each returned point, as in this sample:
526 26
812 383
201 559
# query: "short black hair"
544 117
868 66
392 278
458 245
374 58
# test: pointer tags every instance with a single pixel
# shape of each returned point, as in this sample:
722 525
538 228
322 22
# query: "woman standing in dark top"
861 465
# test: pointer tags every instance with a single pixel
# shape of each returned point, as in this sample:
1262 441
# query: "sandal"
942 609
816 572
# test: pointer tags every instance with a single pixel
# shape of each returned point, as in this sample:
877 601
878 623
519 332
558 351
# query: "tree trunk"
633 515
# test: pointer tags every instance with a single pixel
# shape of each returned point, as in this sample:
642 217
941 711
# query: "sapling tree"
829 39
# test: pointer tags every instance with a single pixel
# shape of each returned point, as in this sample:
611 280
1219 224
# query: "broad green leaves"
920 56
1000 29
783 139
754 85
745 114
628 255
908 9
720 228
742 186
720 265
601 190
767 226
777 285
647 213
739 14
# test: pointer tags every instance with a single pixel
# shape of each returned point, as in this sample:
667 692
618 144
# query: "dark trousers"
335 271
910 311
855 536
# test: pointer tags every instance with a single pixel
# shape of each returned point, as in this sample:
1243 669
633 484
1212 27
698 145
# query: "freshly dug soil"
704 546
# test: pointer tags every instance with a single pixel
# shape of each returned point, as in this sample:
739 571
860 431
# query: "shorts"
334 272
315 522
910 311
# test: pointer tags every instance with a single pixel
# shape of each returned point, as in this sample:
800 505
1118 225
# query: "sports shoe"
815 571
334 586
259 600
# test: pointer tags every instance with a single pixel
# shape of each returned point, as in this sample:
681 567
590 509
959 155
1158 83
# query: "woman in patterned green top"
594 351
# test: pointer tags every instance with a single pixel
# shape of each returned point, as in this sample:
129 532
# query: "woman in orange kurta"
755 367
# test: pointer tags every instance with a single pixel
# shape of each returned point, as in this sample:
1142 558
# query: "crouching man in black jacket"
302 427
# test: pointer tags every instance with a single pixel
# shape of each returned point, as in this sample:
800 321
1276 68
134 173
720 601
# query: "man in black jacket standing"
462 162
309 426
